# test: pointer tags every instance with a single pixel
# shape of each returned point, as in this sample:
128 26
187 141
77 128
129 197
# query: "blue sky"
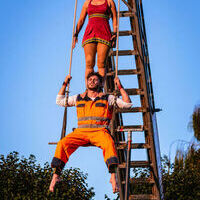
35 40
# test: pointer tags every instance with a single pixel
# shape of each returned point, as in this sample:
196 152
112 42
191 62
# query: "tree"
194 123
182 180
23 179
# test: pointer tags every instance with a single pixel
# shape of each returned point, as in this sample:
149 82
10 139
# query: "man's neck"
92 94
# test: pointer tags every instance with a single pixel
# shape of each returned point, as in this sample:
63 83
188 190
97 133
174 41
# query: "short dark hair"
95 74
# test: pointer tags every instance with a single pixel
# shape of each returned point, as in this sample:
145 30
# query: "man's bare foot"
55 179
113 181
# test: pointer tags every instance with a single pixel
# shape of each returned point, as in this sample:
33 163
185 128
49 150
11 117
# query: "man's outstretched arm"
124 94
65 83
61 99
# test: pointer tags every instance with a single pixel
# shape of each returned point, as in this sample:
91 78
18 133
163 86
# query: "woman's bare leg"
102 52
90 50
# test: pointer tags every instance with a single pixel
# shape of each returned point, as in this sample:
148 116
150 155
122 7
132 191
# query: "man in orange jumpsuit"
94 112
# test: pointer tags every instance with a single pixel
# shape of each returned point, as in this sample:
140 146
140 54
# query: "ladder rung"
140 180
126 33
130 110
135 128
123 53
126 14
131 91
134 91
134 164
52 143
142 197
124 72
123 145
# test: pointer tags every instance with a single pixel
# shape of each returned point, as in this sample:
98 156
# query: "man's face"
93 83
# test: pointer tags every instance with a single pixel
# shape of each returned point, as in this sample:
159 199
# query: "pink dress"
98 28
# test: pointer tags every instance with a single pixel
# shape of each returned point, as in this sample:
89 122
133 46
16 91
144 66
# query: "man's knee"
112 164
58 165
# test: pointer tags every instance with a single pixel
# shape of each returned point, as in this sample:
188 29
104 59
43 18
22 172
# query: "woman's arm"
112 6
80 21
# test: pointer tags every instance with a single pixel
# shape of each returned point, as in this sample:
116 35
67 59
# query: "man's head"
94 81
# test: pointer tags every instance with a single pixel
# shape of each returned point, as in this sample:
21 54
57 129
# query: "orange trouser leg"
66 147
103 140
85 137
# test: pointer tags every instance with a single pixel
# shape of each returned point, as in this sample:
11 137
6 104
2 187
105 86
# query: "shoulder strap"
83 96
103 96
79 98
90 2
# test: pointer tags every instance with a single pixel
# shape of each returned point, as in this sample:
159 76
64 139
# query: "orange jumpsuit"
93 120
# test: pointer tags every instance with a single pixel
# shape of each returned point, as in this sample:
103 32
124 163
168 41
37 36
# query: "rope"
70 67
117 53
117 45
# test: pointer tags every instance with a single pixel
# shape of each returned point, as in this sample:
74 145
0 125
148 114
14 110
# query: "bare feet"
55 179
113 181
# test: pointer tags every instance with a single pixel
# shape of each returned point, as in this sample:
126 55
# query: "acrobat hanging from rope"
94 108
94 112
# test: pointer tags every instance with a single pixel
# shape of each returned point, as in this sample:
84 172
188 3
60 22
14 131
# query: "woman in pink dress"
97 38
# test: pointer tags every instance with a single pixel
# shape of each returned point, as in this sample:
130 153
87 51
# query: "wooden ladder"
122 132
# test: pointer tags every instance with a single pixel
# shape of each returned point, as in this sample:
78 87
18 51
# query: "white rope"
117 53
70 62
70 66
74 22
117 45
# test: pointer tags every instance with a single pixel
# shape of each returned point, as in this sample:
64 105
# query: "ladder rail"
150 98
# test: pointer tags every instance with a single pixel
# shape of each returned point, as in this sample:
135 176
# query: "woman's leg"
102 52
90 50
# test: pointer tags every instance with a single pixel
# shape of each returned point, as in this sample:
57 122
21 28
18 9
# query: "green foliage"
107 198
23 179
182 180
140 188
196 122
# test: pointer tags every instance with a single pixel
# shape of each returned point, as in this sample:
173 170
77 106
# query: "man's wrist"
64 83
120 87
76 35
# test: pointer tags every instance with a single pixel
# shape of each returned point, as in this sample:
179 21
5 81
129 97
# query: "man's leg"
103 140
114 182
55 179
64 149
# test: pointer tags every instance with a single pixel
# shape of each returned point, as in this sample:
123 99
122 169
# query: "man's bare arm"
63 88
124 94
